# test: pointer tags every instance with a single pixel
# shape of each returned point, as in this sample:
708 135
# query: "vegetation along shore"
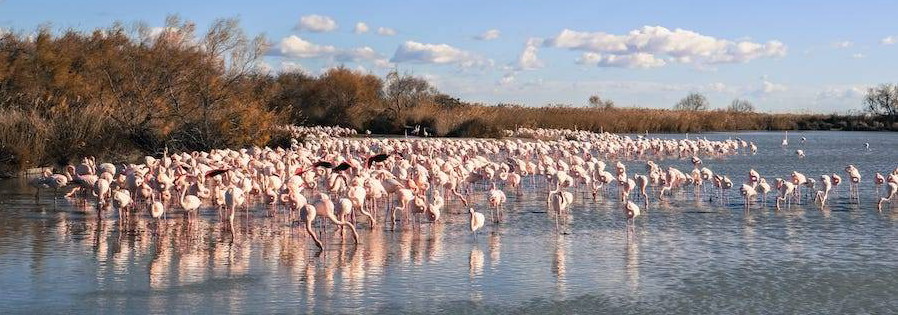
128 90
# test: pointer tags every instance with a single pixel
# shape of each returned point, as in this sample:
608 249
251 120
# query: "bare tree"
883 100
694 102
741 106
404 91
595 101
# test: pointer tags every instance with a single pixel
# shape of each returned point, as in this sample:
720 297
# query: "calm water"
686 255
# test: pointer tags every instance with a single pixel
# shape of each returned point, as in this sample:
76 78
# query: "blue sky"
800 56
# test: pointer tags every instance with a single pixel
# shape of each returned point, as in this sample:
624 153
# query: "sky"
783 56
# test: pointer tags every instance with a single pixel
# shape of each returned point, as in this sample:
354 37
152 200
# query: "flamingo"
436 206
893 189
476 221
325 207
763 188
559 201
855 175
878 179
785 188
157 209
496 199
189 203
631 210
749 193
823 194
233 198
121 200
307 213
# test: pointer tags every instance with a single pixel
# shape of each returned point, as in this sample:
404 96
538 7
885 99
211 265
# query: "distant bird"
477 220
803 140
786 139
799 153
867 146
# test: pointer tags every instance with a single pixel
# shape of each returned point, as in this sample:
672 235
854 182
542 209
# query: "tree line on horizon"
126 91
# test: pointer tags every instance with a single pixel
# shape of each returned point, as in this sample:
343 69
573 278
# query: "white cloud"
843 44
362 54
858 56
842 92
296 47
717 87
507 79
290 66
768 87
383 63
386 31
653 46
528 59
412 51
262 67
356 54
360 28
636 60
316 23
489 35
889 40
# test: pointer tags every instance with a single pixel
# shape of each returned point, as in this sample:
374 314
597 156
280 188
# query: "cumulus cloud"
506 79
262 67
717 87
655 46
768 87
528 59
386 31
360 28
858 56
636 60
842 92
889 40
316 23
843 44
296 47
489 35
412 51
290 66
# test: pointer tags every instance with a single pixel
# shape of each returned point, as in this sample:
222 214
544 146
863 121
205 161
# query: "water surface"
687 255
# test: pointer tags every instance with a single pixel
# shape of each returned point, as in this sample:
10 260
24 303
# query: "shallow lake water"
686 254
